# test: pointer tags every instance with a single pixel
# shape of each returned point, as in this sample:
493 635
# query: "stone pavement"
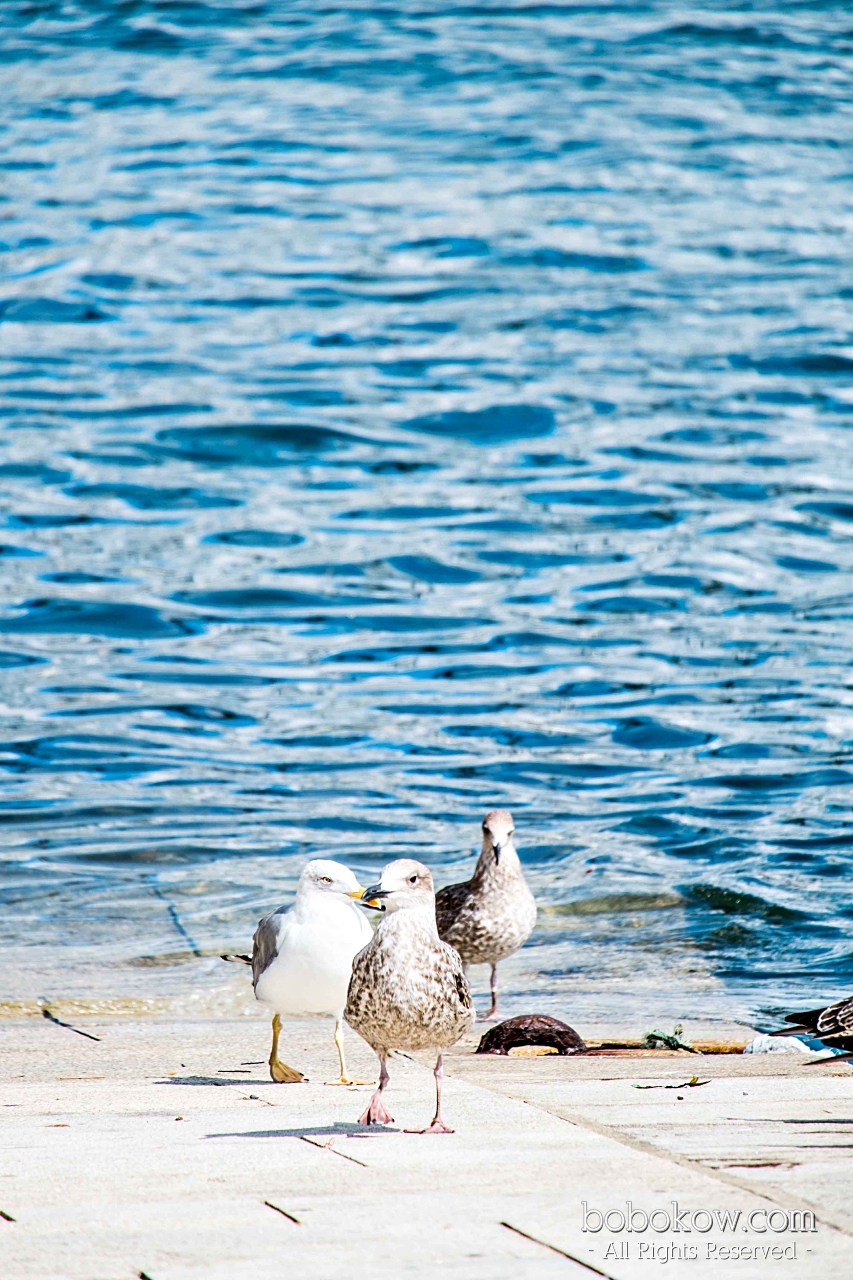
163 1150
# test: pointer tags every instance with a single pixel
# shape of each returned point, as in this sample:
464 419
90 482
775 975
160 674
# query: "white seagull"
302 956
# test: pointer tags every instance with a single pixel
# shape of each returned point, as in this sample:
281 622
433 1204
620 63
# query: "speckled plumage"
491 915
833 1024
408 988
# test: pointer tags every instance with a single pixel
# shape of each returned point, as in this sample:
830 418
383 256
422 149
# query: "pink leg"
375 1112
493 1012
438 1125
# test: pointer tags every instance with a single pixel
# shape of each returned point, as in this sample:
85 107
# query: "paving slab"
162 1148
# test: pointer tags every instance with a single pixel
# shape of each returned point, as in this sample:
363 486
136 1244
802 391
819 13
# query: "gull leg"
438 1125
375 1113
339 1041
280 1071
493 984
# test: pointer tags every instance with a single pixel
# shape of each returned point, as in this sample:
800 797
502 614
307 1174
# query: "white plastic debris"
785 1044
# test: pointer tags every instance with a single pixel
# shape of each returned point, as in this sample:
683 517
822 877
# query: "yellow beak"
356 893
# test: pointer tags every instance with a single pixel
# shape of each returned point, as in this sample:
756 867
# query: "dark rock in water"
534 1029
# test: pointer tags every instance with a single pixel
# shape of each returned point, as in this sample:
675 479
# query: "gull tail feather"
236 959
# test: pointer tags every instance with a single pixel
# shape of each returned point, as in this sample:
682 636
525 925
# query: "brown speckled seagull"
833 1023
492 914
407 989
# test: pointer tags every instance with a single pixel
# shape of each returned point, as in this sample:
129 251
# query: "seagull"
833 1024
492 914
408 988
302 956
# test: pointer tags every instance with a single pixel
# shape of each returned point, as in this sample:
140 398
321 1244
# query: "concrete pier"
162 1149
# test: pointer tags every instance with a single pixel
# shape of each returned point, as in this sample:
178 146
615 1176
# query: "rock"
531 1029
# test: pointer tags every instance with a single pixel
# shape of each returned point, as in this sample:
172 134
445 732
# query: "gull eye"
325 879
413 879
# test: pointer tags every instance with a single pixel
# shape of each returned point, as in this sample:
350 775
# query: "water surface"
417 409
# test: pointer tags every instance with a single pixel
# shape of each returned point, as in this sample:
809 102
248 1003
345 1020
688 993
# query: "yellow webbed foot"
281 1073
346 1080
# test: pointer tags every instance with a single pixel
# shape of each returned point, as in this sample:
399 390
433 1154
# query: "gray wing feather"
264 946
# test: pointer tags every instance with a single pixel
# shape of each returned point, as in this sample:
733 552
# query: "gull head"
321 875
405 885
498 827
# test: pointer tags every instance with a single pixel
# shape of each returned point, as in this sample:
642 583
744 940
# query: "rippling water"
411 410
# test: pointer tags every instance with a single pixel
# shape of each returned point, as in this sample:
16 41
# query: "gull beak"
371 897
356 893
497 848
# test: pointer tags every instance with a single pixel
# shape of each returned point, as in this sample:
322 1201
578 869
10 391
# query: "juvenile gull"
832 1023
407 990
492 914
302 955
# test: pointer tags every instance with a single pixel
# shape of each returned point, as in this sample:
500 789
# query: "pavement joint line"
283 1212
51 1017
327 1146
555 1249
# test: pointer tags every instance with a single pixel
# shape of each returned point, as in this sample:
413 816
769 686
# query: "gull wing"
264 945
449 901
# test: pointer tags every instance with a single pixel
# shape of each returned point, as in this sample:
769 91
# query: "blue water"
417 409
